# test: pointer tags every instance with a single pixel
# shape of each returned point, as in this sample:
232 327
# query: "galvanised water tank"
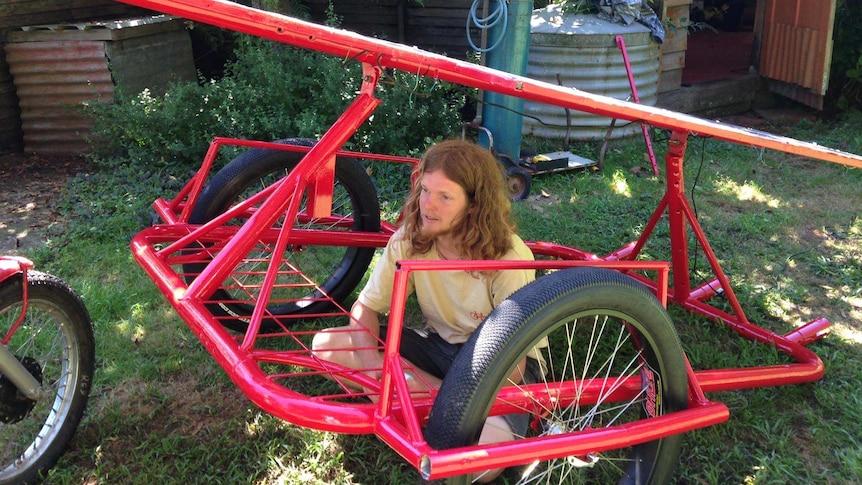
580 51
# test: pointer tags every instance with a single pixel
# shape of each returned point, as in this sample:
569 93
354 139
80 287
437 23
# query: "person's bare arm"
366 343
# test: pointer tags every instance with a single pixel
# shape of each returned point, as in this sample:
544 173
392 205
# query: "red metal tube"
383 54
458 461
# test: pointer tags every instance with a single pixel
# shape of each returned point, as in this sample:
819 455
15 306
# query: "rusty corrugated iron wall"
17 13
56 68
52 79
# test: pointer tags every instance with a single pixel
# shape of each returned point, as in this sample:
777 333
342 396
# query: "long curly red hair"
485 231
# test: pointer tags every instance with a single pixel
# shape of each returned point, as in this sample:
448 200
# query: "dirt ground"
28 186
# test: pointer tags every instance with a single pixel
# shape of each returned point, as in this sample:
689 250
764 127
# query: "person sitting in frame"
458 209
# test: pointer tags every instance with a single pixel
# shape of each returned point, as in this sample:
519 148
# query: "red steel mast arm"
349 45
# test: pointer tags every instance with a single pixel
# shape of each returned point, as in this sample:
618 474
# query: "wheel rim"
516 185
598 347
310 279
45 337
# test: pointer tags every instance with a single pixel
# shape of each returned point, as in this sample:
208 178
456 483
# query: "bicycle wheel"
598 325
337 270
55 343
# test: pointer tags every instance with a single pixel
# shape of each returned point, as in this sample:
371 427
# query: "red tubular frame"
397 415
9 267
621 44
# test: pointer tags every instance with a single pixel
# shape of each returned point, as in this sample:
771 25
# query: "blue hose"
493 18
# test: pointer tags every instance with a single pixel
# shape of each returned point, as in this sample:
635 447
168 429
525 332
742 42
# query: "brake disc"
14 405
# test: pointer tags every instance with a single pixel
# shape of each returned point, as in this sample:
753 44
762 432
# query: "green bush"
271 91
845 84
147 145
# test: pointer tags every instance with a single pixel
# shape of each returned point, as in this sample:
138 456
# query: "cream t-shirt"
454 303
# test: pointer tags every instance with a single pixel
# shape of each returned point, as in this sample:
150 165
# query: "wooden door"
797 48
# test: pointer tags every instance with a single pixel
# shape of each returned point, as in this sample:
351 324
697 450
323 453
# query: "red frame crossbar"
397 415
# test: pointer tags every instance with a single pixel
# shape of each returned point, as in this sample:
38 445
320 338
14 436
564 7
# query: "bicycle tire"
553 307
339 268
58 336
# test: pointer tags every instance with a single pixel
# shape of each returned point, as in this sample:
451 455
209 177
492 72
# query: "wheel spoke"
596 341
311 279
55 344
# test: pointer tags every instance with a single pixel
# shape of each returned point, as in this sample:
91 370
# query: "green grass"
787 232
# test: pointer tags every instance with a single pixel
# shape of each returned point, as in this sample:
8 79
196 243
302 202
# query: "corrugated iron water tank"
57 67
580 51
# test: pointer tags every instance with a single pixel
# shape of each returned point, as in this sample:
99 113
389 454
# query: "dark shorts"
428 351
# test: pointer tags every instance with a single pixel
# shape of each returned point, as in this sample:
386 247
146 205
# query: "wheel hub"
14 406
586 461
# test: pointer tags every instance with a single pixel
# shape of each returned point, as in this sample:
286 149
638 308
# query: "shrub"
271 91
845 86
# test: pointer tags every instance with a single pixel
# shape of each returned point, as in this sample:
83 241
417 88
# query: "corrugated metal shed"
14 14
57 67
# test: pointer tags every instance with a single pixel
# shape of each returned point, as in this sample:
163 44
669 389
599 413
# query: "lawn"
786 230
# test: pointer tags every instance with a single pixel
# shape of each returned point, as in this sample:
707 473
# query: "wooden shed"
741 53
18 13
436 25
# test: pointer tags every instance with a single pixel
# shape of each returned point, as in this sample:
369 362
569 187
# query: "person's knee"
336 345
319 341
324 342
